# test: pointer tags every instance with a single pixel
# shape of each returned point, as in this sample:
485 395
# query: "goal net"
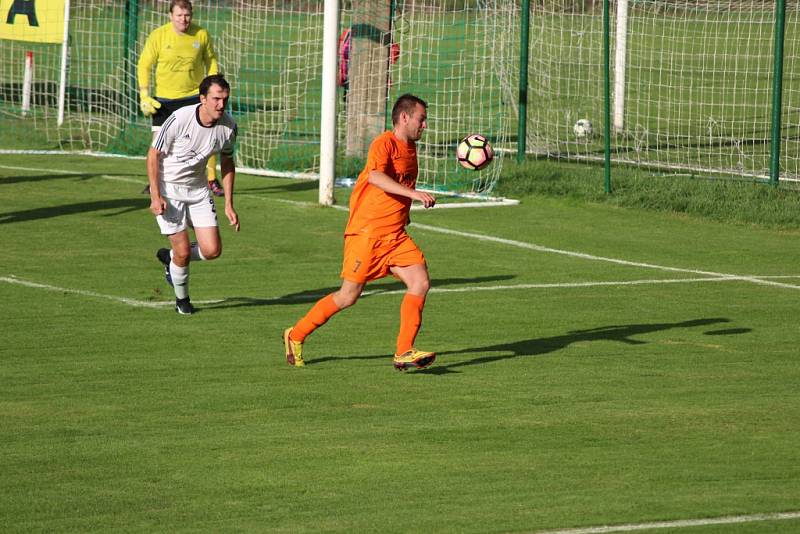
692 83
447 52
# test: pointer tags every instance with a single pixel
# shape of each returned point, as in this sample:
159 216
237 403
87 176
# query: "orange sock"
410 320
318 315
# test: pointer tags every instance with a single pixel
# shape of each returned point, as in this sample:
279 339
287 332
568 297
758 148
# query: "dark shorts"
168 106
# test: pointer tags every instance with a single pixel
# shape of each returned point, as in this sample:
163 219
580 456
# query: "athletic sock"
318 315
180 280
195 254
410 320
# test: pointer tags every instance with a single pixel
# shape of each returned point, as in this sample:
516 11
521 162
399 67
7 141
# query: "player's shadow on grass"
121 205
312 295
8 180
289 187
545 345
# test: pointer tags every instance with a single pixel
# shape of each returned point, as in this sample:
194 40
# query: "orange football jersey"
374 212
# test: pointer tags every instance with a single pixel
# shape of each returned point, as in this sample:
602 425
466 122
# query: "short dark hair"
406 103
185 4
214 79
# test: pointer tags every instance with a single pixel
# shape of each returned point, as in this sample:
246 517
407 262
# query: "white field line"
477 204
511 242
136 303
582 255
89 153
131 302
762 280
65 153
681 523
38 169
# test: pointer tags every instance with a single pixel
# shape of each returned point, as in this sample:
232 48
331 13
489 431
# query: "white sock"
180 280
195 253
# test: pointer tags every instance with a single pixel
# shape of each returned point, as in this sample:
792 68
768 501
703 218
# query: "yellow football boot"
294 350
413 358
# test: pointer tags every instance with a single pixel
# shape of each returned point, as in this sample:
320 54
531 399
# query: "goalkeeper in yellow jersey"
182 54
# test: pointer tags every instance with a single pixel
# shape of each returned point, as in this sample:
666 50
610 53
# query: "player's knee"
345 299
426 286
211 253
420 286
180 257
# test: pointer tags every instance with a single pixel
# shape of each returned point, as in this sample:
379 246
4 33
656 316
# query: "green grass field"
598 365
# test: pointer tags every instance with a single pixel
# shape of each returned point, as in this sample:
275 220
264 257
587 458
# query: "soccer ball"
474 152
582 128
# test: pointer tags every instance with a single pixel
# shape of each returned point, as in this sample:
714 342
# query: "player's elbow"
153 156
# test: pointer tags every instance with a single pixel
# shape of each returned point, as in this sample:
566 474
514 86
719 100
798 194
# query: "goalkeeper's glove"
148 104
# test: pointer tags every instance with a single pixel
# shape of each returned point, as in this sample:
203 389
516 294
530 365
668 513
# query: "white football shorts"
186 206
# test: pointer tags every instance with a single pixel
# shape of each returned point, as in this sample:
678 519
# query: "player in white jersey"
179 196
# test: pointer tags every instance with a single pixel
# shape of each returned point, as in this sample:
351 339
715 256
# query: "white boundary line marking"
36 169
510 242
540 248
681 523
762 280
131 302
475 203
137 303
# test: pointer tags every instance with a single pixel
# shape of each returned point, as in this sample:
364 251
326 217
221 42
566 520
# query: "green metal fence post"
607 96
129 45
777 89
522 128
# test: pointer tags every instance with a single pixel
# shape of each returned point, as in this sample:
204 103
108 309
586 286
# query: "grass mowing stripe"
681 523
122 179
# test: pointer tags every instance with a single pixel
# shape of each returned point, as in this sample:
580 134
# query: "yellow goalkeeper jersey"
181 61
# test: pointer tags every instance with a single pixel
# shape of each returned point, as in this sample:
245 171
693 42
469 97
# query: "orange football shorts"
369 258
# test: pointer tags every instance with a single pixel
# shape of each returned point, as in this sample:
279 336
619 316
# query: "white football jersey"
186 145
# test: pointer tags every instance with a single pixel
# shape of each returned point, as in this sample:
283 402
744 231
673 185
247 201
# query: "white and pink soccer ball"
474 152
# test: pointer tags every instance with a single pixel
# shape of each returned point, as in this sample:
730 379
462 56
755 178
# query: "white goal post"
295 117
620 52
327 144
62 85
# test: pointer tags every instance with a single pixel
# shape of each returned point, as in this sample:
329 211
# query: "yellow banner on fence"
40 21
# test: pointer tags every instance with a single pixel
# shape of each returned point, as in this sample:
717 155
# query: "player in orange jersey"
375 241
